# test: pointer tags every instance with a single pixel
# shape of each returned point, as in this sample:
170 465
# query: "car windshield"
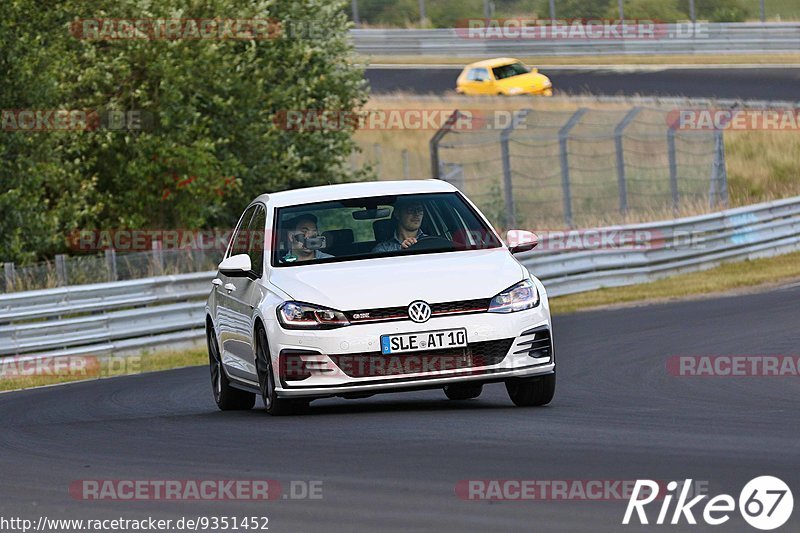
378 226
510 70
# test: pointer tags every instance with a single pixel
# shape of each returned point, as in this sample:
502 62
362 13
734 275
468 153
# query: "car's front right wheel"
227 398
526 392
266 381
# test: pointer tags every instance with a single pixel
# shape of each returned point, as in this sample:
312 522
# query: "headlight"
298 315
521 296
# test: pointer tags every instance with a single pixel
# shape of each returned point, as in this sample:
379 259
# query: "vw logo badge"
419 311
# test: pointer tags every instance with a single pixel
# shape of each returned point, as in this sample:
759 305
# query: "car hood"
398 281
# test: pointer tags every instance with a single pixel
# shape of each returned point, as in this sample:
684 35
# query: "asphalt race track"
742 83
391 463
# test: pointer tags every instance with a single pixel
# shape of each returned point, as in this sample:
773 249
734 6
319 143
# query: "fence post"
433 144
111 264
618 131
376 150
719 172
404 155
158 258
61 270
11 276
563 137
673 169
508 191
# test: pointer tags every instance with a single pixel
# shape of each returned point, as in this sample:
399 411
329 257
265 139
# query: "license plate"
424 340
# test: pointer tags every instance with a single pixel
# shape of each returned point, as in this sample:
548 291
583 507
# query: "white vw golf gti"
356 289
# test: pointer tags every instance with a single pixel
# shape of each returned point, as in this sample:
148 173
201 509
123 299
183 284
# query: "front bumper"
546 91
407 383
349 343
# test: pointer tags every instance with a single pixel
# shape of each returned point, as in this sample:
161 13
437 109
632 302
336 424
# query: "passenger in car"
407 219
298 231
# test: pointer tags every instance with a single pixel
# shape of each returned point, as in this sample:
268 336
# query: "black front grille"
401 313
374 364
464 306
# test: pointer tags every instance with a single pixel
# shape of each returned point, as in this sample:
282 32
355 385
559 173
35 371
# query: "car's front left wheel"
227 398
526 392
266 381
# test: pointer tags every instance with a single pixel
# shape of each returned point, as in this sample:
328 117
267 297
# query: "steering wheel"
432 242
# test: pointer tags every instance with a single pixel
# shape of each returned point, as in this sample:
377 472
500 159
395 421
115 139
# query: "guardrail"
681 38
667 248
116 316
104 317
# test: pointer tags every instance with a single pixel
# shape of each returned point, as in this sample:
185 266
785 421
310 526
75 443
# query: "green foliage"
214 144
577 9
442 13
719 10
658 10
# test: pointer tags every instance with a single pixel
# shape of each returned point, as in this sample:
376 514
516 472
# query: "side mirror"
520 240
236 265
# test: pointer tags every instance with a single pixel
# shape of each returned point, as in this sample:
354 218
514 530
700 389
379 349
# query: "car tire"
228 398
266 382
529 392
463 391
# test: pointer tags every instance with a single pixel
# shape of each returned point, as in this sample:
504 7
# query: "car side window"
256 238
478 74
239 241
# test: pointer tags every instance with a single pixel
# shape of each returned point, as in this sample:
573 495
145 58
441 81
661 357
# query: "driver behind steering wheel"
407 218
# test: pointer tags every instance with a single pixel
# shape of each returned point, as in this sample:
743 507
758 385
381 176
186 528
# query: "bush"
658 10
718 10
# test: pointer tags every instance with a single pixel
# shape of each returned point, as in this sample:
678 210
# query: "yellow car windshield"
507 71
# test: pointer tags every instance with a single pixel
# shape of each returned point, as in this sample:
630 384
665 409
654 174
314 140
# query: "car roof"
491 63
353 190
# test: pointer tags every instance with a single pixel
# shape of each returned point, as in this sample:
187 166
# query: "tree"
213 143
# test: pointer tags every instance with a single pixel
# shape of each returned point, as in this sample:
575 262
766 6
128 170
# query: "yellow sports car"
503 76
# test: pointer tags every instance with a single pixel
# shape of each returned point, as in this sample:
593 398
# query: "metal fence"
120 316
106 266
583 168
703 38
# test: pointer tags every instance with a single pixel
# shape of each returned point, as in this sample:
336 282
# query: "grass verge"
15 374
756 273
762 165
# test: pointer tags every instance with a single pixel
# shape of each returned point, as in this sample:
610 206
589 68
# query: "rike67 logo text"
765 503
